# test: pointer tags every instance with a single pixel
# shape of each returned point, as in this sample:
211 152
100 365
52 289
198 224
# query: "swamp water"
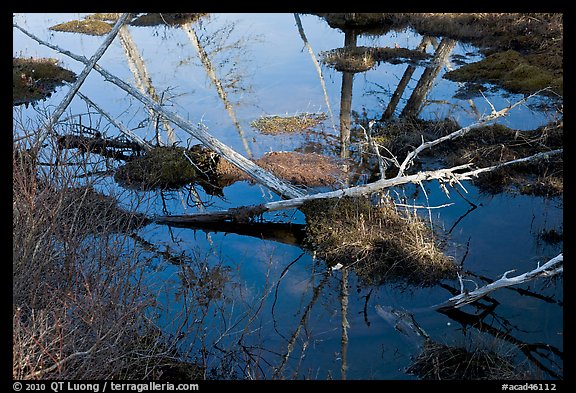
254 307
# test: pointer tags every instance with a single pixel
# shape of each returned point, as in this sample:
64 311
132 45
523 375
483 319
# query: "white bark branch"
550 268
448 175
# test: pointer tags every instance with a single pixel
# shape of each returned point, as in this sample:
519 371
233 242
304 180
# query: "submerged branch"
316 65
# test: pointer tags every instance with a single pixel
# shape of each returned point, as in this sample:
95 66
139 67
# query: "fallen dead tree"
449 176
296 196
550 268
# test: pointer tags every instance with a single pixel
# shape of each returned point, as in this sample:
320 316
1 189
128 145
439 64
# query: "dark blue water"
258 317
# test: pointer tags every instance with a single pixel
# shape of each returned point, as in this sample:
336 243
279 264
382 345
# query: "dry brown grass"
382 244
272 125
442 362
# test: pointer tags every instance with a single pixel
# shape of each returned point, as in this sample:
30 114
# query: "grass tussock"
442 362
381 243
273 125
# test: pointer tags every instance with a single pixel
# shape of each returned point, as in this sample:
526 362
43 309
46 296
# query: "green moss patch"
36 79
161 167
88 26
509 70
380 243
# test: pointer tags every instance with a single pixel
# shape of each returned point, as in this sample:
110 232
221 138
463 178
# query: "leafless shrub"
79 304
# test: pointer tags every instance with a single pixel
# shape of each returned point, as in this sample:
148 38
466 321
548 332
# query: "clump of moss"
161 167
88 26
36 79
273 125
380 243
510 70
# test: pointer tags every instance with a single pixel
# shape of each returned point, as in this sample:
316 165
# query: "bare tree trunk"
345 324
402 84
346 100
143 80
448 175
428 77
219 88
316 65
303 319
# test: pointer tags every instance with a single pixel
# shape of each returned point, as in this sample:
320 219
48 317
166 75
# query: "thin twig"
368 135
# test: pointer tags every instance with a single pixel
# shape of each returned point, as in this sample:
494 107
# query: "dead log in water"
550 268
